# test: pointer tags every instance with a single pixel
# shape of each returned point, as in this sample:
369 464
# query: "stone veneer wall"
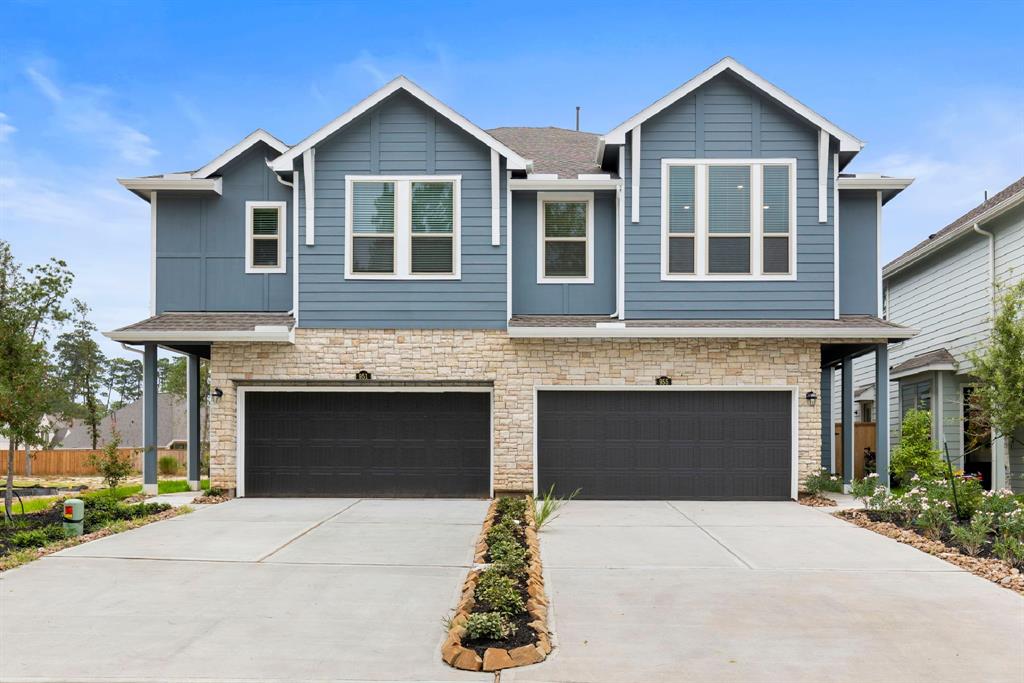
514 366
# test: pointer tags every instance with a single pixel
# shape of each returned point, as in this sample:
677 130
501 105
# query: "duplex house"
406 304
944 287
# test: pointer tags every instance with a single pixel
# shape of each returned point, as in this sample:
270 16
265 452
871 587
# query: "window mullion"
756 219
701 223
403 228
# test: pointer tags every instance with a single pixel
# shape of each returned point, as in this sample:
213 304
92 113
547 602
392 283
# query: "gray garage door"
714 445
387 444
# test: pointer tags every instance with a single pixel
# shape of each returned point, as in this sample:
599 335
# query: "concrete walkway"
761 592
247 590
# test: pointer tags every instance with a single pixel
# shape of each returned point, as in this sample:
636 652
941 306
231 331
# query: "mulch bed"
816 501
990 568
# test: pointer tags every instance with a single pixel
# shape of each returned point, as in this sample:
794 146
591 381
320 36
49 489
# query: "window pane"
373 254
776 255
565 219
373 207
264 252
680 255
729 199
565 259
432 207
264 221
681 207
729 255
432 255
776 199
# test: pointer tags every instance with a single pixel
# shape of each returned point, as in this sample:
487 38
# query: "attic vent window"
265 237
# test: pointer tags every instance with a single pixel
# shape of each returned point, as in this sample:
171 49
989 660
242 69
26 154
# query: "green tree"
124 377
916 452
32 306
999 367
82 368
173 375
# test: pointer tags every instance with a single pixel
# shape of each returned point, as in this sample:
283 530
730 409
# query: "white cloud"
6 129
84 111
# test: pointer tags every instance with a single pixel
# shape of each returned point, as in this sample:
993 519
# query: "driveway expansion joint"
711 536
306 531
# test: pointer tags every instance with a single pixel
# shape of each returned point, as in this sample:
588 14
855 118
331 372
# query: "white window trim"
403 227
282 237
700 231
588 198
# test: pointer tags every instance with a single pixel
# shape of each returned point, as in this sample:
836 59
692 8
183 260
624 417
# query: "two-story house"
946 288
405 304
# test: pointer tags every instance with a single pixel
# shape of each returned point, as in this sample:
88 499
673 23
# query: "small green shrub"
999 504
863 489
167 465
37 538
1011 525
1009 550
505 530
971 537
499 592
916 453
823 481
509 557
549 506
934 519
112 465
488 625
511 507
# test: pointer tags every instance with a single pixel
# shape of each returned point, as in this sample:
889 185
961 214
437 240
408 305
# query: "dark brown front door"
727 445
362 444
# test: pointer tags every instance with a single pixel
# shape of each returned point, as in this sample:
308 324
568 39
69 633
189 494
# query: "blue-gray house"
406 304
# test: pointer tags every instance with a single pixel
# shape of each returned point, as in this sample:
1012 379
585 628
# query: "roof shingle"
569 153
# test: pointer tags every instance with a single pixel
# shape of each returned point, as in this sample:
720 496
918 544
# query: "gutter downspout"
1000 446
295 239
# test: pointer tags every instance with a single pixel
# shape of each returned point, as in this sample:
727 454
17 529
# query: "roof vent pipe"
577 119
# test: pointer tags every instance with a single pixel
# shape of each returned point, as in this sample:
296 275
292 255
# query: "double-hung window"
565 239
265 237
402 227
728 219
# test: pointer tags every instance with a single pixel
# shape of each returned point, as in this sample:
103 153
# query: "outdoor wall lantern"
811 397
217 394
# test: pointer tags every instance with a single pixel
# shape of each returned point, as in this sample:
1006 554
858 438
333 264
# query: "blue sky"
94 91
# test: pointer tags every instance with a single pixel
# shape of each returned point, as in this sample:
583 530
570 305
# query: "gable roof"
936 359
566 153
1007 198
515 161
258 135
847 142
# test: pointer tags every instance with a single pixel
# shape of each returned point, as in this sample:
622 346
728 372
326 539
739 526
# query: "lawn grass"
179 485
166 486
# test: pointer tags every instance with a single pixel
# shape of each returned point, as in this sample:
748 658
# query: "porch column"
882 413
150 389
194 401
826 418
847 421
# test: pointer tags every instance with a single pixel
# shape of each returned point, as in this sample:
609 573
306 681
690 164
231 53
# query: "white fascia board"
872 333
867 183
565 184
897 264
847 142
261 333
931 367
514 161
258 135
163 184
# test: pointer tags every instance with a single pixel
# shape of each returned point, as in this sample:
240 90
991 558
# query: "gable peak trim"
228 155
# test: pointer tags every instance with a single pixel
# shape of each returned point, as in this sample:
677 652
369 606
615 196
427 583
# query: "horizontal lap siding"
726 119
401 136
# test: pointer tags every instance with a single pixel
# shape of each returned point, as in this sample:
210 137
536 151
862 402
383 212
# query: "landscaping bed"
501 618
41 532
953 519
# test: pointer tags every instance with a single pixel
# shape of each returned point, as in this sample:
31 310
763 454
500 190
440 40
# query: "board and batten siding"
531 297
858 253
727 119
402 136
200 244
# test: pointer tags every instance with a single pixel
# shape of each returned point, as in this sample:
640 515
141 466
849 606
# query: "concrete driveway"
761 592
248 590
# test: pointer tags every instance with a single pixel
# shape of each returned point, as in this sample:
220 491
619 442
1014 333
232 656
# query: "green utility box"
74 516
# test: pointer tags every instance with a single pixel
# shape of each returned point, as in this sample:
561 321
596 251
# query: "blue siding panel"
529 297
726 119
858 253
200 244
402 136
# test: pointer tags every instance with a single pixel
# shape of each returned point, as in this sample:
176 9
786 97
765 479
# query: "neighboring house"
50 427
405 304
172 426
943 287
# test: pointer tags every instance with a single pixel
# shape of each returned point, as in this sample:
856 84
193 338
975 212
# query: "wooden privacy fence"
863 436
71 462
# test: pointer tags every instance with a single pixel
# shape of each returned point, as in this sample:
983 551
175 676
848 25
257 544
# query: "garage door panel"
367 444
665 444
